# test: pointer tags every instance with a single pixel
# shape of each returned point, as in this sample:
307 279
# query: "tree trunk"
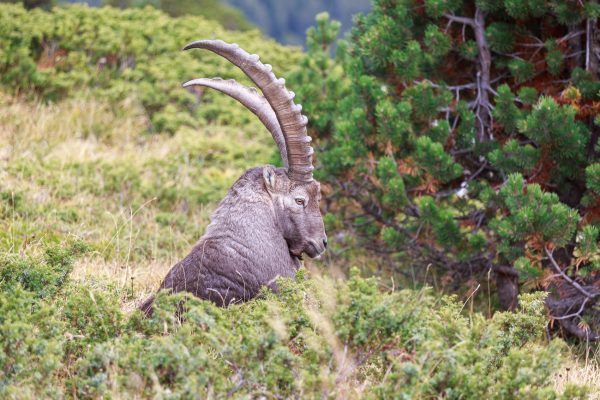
507 284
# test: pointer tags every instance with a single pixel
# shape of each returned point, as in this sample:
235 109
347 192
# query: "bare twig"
570 35
567 278
575 314
588 43
460 20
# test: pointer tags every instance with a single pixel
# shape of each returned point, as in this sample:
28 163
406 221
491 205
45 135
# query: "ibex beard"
271 216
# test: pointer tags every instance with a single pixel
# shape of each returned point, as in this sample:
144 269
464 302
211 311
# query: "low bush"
317 338
122 53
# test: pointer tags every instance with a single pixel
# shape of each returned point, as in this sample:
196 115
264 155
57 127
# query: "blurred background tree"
286 21
29 4
463 136
216 10
116 54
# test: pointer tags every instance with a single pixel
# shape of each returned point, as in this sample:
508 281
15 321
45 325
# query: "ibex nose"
325 242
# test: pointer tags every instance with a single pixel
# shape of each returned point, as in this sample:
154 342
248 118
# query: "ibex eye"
300 202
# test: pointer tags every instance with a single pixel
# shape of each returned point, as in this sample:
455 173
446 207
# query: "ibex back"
270 217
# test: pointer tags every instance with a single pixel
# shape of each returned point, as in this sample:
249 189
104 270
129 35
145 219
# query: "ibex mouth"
313 250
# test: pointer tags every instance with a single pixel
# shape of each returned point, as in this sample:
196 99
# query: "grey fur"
258 233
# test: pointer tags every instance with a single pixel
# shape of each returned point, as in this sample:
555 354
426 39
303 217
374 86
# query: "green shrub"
42 277
316 338
459 144
119 53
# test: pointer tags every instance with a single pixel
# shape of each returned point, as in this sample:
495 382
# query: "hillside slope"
98 198
122 53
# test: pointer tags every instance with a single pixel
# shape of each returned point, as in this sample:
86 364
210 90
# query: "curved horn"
256 103
292 122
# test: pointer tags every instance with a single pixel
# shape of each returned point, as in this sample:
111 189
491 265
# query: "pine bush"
463 135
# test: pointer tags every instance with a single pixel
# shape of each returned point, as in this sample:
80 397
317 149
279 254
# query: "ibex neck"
247 215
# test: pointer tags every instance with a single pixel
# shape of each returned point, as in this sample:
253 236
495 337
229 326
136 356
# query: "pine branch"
482 105
575 330
485 63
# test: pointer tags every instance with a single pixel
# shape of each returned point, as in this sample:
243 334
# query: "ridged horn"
289 116
253 101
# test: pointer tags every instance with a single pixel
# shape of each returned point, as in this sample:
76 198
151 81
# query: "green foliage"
432 158
561 137
592 175
585 82
521 70
444 227
463 137
506 111
120 53
42 278
395 188
532 212
91 315
514 158
315 338
500 37
324 79
31 343
437 43
554 57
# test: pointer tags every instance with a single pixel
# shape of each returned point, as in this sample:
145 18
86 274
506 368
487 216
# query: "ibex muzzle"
270 216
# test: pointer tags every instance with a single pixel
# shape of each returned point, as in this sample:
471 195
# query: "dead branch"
460 20
482 105
576 285
562 306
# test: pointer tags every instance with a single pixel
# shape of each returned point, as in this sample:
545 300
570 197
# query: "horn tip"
194 45
191 82
206 43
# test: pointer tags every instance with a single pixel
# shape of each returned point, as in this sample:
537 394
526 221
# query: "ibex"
270 216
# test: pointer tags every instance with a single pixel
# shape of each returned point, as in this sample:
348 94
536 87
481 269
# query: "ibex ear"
270 177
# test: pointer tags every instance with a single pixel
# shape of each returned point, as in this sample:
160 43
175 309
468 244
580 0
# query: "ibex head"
294 192
296 206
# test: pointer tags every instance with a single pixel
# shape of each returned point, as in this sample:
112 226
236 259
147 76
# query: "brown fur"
258 233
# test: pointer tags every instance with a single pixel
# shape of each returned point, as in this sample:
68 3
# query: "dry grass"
581 370
86 169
